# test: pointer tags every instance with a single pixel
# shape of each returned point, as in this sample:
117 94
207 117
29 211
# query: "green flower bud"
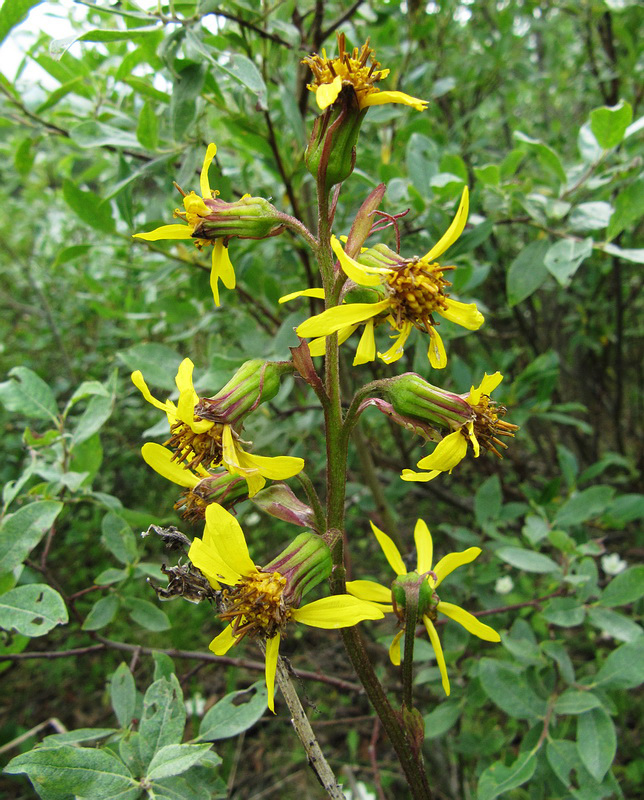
412 396
411 590
305 563
247 218
221 487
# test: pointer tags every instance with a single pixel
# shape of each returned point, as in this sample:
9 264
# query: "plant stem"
411 618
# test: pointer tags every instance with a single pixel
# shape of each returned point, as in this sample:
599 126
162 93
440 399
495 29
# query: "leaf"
12 13
558 653
82 771
101 613
147 130
627 587
527 560
545 154
564 611
615 624
498 778
58 47
173 759
123 695
629 207
29 395
234 713
117 536
147 615
89 207
527 272
163 666
77 736
183 102
96 414
157 362
99 134
590 216
21 531
564 258
596 742
33 609
163 717
636 255
584 506
609 123
441 719
488 500
575 702
507 686
623 668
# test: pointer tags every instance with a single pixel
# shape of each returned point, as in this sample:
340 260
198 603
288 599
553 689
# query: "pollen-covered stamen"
191 505
417 291
195 449
256 606
488 425
352 69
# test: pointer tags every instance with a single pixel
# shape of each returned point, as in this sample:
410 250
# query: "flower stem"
411 618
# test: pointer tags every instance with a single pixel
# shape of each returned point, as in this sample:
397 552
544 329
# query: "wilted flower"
428 581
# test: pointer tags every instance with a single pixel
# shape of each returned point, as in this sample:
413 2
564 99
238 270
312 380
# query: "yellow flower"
260 603
199 442
375 592
413 290
484 429
195 210
359 70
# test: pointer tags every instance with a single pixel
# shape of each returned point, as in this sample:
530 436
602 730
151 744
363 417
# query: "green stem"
411 620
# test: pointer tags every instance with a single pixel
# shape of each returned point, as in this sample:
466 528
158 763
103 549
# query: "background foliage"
535 105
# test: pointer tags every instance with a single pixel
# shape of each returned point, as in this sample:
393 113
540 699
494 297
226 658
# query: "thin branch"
341 20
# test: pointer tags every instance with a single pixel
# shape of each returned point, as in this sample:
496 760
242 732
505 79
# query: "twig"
55 723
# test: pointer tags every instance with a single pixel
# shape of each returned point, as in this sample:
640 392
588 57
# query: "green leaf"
615 624
173 759
234 713
490 174
89 207
21 531
590 216
96 414
488 500
147 130
33 609
81 771
575 702
527 560
163 717
23 159
117 536
157 362
563 758
507 686
629 207
498 778
59 47
627 587
564 611
28 394
609 123
545 154
558 653
564 258
527 272
77 736
12 13
636 255
101 613
441 719
111 575
123 695
183 102
624 667
147 615
163 666
584 506
99 134
596 742
87 389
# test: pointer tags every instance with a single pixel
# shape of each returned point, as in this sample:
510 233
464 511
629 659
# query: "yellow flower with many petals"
358 69
261 602
199 442
195 210
376 592
413 291
483 429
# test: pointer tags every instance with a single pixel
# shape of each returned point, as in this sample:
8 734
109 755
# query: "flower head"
261 602
408 294
358 70
199 442
429 580
482 429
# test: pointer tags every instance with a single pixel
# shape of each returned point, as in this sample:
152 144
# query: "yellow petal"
369 590
195 206
466 315
204 183
487 386
452 561
392 554
454 230
160 459
221 269
394 649
419 477
317 347
440 658
436 350
327 93
221 644
424 546
141 385
379 98
469 622
272 652
276 468
204 556
238 462
398 347
366 346
447 454
188 398
319 293
364 276
166 232
227 537
338 611
333 319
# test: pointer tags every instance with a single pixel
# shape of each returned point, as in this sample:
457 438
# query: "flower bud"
363 221
331 153
221 487
412 396
279 501
412 590
255 382
380 256
304 563
247 218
